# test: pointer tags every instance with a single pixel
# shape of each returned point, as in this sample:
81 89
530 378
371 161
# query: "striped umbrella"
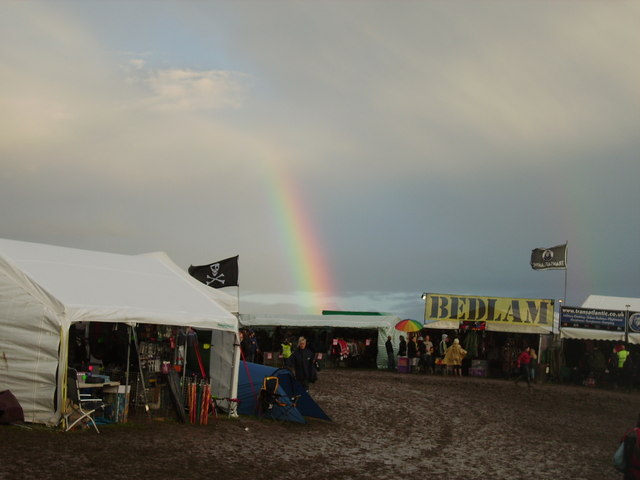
408 325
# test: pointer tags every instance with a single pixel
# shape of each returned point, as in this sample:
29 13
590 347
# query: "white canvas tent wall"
44 289
602 302
384 324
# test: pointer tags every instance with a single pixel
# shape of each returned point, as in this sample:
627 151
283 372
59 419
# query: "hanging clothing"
471 343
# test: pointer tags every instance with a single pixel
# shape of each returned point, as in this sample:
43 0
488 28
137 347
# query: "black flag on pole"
219 274
554 258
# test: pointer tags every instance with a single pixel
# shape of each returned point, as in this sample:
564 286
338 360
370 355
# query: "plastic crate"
404 366
477 372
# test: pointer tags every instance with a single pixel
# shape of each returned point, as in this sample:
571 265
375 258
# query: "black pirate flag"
554 258
219 274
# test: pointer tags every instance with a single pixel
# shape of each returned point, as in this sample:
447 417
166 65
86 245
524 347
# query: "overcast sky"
353 154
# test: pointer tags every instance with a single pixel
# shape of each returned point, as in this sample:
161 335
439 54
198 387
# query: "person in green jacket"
623 353
286 352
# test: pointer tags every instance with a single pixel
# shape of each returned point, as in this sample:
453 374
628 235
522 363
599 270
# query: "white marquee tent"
602 302
45 289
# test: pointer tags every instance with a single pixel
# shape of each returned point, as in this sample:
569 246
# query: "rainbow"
307 262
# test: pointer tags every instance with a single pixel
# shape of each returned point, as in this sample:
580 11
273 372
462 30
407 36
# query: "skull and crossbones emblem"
215 276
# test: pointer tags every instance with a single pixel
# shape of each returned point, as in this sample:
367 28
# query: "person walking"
412 353
524 365
244 344
622 356
533 365
631 448
285 347
253 349
391 359
302 361
428 346
422 355
402 350
444 344
454 356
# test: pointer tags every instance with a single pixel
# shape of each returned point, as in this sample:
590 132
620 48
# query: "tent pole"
235 360
184 360
63 360
233 383
566 267
626 327
125 413
141 374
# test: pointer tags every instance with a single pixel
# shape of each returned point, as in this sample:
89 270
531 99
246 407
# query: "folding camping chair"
82 405
271 402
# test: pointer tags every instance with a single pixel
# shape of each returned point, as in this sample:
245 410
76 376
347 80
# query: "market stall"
379 326
492 329
592 335
602 318
46 290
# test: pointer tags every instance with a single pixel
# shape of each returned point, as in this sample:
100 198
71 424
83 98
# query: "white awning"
591 334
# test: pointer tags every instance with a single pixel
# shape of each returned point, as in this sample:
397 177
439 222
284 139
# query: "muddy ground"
385 425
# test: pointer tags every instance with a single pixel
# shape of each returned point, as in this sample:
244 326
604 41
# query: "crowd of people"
424 357
607 364
342 351
590 363
449 355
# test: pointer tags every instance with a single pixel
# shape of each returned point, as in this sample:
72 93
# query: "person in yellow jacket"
623 353
286 352
453 357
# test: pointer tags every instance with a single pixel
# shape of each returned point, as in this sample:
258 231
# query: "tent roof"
82 285
603 302
373 321
591 334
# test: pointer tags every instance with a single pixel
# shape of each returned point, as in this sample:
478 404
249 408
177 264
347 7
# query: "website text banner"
577 317
520 311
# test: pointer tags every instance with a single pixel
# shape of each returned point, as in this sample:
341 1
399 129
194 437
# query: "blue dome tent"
250 379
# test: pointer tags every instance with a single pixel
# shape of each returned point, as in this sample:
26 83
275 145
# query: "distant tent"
382 323
250 380
605 303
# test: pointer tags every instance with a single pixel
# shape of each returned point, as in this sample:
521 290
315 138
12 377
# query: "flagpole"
235 360
224 273
566 267
238 300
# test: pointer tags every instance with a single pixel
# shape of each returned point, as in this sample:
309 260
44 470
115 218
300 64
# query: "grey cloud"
432 144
